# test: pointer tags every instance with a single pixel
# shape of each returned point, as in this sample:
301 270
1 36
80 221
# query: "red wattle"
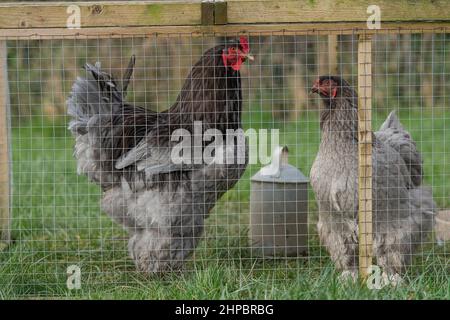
237 65
224 59
244 44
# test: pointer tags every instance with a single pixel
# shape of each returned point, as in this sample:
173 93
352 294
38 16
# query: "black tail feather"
96 94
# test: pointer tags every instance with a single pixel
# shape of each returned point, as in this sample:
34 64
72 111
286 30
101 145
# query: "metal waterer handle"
279 158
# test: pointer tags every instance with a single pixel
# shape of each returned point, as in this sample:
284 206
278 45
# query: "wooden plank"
36 15
327 55
442 226
322 55
100 14
207 13
196 31
220 13
4 148
365 154
333 53
255 11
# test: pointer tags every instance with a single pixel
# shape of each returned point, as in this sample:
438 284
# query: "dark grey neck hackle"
339 118
211 94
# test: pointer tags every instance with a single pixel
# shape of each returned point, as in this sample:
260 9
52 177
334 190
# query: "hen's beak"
316 87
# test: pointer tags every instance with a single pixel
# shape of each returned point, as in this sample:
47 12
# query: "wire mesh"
57 216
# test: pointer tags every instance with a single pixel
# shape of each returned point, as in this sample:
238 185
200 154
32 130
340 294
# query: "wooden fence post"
5 235
333 53
365 153
327 51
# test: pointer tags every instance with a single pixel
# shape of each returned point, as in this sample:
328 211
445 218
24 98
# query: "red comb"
244 44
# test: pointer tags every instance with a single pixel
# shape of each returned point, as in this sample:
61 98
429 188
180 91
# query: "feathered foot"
348 276
395 280
341 241
156 252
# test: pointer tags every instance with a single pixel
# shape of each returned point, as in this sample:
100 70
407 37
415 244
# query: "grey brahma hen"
403 209
129 151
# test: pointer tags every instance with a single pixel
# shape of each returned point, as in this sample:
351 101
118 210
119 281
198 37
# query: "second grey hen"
403 209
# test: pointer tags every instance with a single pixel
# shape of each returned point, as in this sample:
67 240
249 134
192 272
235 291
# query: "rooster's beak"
250 57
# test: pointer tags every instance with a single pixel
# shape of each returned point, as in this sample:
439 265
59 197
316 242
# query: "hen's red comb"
244 44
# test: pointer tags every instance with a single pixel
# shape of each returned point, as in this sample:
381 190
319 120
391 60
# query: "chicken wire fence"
59 225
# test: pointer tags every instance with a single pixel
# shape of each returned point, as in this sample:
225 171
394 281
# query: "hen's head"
332 87
235 52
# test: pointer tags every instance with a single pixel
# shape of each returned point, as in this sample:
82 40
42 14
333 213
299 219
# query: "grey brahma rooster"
129 151
403 209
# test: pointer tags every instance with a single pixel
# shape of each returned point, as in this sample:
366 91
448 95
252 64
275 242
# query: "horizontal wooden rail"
264 11
119 18
196 31
100 14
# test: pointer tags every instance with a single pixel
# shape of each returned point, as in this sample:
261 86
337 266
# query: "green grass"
57 223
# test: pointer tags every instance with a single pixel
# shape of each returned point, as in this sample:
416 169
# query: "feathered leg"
171 234
341 240
395 246
165 249
115 203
